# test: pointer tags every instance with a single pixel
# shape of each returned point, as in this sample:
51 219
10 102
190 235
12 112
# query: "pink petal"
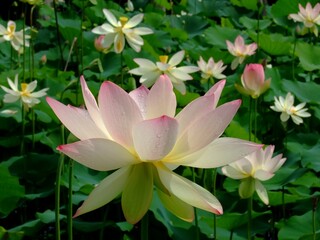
220 152
99 154
206 129
155 138
76 120
161 99
92 106
119 113
139 95
106 191
216 90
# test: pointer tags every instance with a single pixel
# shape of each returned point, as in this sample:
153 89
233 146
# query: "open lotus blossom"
254 168
310 17
26 94
139 134
150 71
287 109
253 81
16 38
211 69
122 30
240 50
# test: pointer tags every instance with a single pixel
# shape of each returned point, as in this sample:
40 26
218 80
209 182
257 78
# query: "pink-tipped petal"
206 129
188 191
155 138
216 90
92 106
106 191
220 152
99 154
119 113
139 95
161 99
76 120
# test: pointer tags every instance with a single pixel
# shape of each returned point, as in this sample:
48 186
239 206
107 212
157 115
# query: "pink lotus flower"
254 168
211 69
309 16
253 81
100 44
240 50
139 134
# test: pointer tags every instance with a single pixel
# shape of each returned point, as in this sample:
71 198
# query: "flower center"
123 21
24 91
11 29
163 58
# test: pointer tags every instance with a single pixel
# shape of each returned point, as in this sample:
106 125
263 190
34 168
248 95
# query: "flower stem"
249 217
195 210
315 201
58 33
57 189
69 215
145 227
283 204
23 127
214 193
250 118
33 127
255 102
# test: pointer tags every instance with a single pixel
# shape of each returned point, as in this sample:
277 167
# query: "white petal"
134 21
155 138
110 17
233 173
176 58
262 192
106 191
189 192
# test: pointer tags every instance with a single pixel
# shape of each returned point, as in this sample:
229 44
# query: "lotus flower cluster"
287 109
15 38
254 168
140 135
27 95
122 30
240 50
310 17
150 71
253 81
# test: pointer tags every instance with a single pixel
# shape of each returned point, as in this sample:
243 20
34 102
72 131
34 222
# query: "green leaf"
252 24
10 191
249 4
304 91
217 36
297 226
308 55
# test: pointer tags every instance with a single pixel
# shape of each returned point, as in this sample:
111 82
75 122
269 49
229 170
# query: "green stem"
104 220
121 61
195 210
69 216
293 54
250 118
314 208
214 193
58 33
249 217
24 46
255 102
145 227
33 127
57 188
283 204
23 126
31 43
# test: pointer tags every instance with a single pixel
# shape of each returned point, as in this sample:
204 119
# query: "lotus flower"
240 50
120 31
211 69
16 38
310 17
287 109
139 134
27 95
254 168
253 81
150 71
